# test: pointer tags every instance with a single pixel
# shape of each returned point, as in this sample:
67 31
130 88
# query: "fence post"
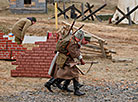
82 10
56 18
64 10
46 10
129 17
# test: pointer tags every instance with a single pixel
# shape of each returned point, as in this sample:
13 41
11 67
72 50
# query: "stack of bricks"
35 62
9 49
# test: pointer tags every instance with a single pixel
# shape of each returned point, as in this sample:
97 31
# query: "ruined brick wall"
35 62
9 49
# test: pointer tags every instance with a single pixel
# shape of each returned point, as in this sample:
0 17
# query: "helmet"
79 34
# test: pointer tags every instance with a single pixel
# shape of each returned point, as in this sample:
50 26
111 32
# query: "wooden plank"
95 47
88 6
124 14
94 36
94 50
82 10
135 8
89 56
85 12
92 46
94 12
102 48
129 18
65 16
85 52
67 9
94 43
89 51
77 10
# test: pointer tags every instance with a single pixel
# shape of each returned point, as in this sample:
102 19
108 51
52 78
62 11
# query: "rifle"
78 63
78 29
87 70
71 27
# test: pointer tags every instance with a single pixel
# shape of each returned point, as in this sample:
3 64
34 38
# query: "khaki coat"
20 27
68 72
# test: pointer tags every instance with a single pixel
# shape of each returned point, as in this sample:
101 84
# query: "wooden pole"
129 17
94 12
88 6
64 10
46 10
124 14
82 10
94 36
102 48
85 11
56 18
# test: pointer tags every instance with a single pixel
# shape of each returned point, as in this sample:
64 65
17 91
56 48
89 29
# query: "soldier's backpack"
62 45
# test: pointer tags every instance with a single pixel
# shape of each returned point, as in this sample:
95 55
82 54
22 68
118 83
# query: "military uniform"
68 49
63 68
19 29
68 72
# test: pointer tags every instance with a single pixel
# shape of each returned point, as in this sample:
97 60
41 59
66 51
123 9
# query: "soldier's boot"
49 83
58 83
80 85
77 92
65 86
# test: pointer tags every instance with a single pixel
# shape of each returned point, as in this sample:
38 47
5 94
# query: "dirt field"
122 38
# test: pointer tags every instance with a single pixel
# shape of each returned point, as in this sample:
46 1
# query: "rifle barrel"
94 62
71 27
78 29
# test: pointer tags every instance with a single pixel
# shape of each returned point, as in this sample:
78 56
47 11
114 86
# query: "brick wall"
9 49
35 62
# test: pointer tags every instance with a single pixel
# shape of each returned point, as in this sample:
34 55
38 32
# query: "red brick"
14 74
36 49
45 76
36 62
19 69
1 34
3 39
40 43
35 75
29 69
2 45
5 54
43 46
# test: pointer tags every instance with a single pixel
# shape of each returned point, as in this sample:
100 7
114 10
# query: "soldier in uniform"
57 81
63 68
20 27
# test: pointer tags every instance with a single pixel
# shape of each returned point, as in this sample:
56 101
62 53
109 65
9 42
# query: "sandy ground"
121 38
